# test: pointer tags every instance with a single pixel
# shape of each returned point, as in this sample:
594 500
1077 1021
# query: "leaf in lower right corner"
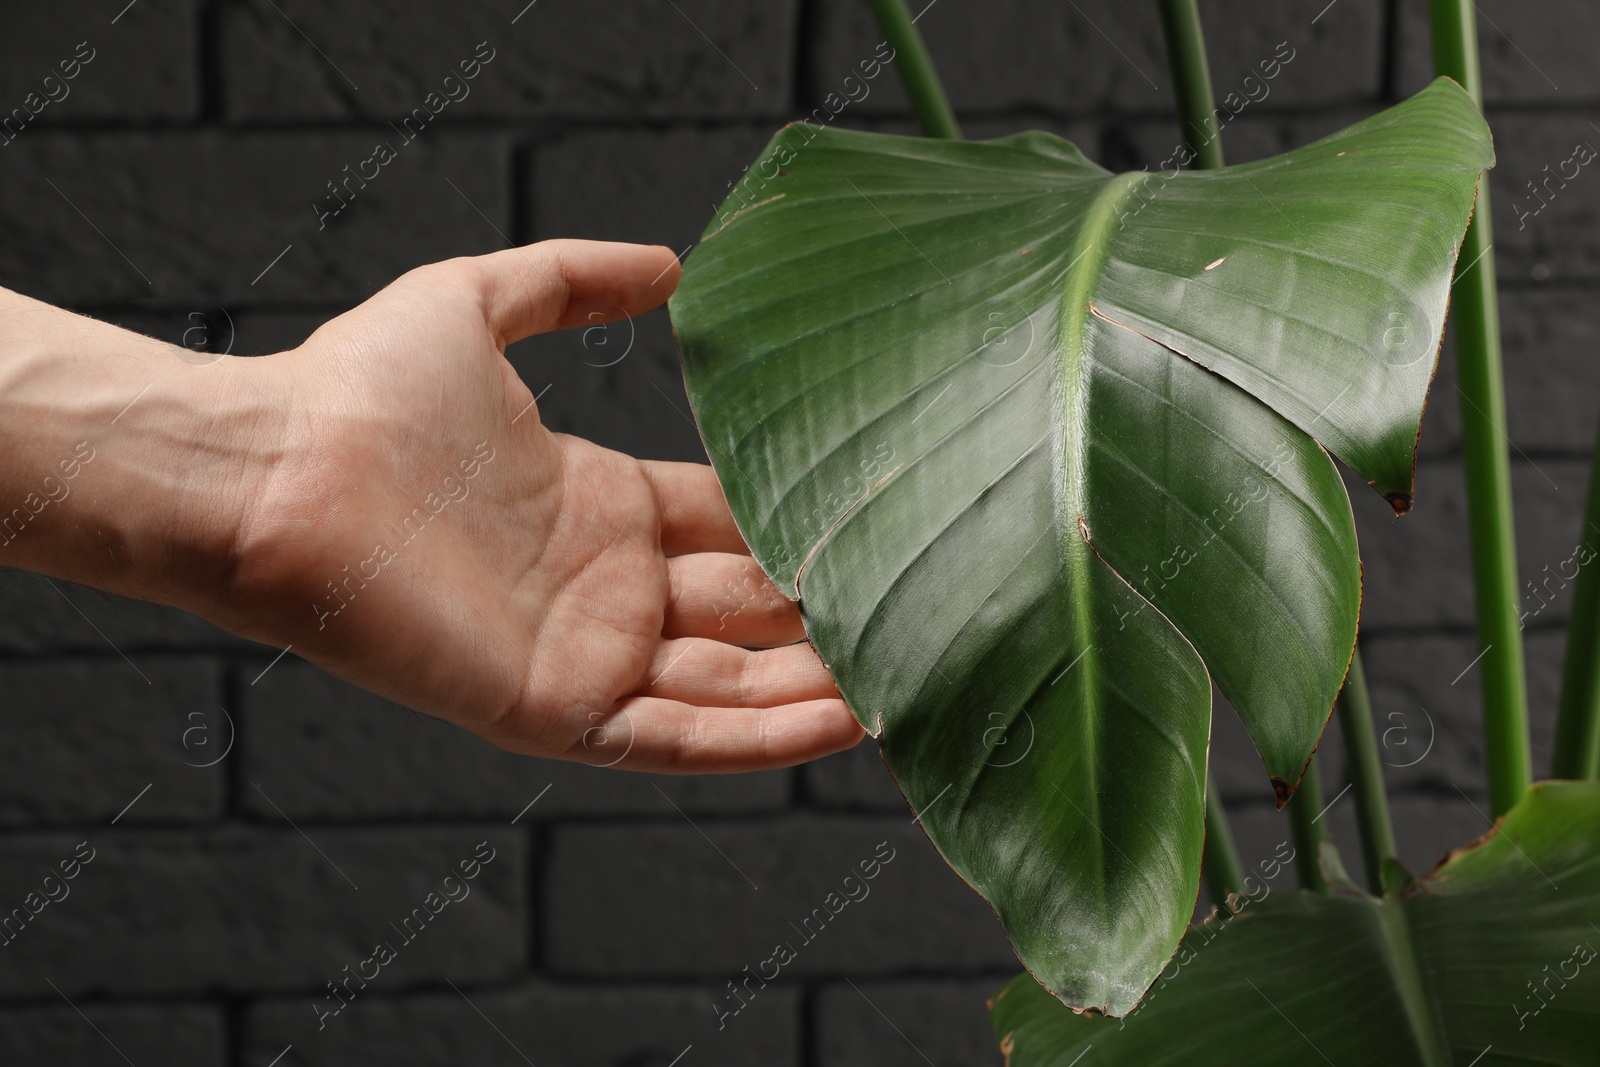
1491 960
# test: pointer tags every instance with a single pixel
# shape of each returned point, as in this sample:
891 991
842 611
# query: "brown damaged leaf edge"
1282 790
1404 501
1420 886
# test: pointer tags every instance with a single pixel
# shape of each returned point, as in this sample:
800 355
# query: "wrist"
127 463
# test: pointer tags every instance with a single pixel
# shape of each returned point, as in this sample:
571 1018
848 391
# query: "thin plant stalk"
1305 809
1483 416
916 69
1366 774
1577 752
1186 54
1220 863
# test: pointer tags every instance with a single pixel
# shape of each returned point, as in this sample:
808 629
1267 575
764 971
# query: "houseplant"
1043 450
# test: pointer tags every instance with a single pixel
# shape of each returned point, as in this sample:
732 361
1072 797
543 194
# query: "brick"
575 1026
70 618
1546 335
606 382
174 1035
1262 838
338 752
1549 337
1337 52
260 909
617 384
856 779
678 899
561 58
1548 234
1415 696
1263 835
1417 570
1236 767
202 216
905 1024
620 384
85 737
1530 53
652 186
1102 57
143 67
1428 827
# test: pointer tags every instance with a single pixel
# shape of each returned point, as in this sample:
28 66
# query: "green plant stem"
1483 414
1223 872
1304 810
916 70
1186 54
1366 772
1578 727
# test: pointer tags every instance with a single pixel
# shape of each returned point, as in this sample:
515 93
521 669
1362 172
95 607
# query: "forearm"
384 500
122 465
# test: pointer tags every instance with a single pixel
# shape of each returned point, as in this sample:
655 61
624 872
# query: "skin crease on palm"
567 601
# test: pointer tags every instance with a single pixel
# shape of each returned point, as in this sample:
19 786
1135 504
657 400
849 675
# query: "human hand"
418 531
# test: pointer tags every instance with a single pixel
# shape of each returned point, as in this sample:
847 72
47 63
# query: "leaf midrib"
1070 442
1400 953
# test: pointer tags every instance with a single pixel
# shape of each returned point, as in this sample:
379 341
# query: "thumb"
555 284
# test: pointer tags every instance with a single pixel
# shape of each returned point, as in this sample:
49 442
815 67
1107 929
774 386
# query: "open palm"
423 535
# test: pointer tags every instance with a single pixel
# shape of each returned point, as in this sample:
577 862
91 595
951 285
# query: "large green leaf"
1489 961
1035 445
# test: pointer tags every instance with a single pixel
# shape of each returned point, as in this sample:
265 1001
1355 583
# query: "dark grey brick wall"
257 827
